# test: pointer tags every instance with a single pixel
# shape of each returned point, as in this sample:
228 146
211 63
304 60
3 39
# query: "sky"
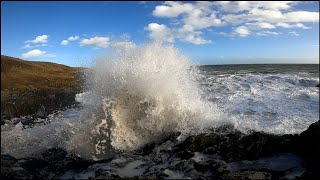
222 32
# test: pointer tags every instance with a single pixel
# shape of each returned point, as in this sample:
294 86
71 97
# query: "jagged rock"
31 164
307 145
185 154
55 154
247 175
103 174
236 145
203 156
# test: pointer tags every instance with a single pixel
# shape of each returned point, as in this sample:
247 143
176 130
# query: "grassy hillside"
20 74
36 88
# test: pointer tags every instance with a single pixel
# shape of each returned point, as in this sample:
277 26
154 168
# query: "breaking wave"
135 96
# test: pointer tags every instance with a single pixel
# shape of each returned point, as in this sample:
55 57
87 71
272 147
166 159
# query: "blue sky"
74 33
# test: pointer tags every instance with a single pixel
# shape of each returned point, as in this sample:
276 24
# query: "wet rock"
16 173
148 148
55 154
185 154
307 146
235 145
41 113
221 167
27 120
7 164
103 174
32 164
203 166
35 102
28 168
143 177
7 157
247 175
199 142
56 158
205 156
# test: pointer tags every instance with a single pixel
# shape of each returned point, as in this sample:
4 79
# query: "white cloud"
194 17
27 46
297 25
188 34
160 32
64 42
172 9
189 21
73 38
100 42
294 33
243 31
33 53
39 39
192 38
238 6
300 25
200 20
266 33
302 16
272 16
261 25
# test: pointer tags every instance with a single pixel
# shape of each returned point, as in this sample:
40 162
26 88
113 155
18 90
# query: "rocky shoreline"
33 103
225 153
32 90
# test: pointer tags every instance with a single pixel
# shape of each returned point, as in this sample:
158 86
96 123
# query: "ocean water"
142 94
274 98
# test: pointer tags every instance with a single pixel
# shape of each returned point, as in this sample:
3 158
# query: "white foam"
148 92
136 95
132 169
274 103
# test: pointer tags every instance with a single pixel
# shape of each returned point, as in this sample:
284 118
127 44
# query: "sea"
139 95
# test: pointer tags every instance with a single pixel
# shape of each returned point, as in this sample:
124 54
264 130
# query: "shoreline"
223 154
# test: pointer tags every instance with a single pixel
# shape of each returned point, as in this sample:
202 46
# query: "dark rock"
32 164
203 166
185 154
307 145
236 145
27 120
148 148
199 143
55 154
103 174
41 113
28 168
77 163
16 173
318 85
247 175
182 165
35 102
219 149
143 177
7 157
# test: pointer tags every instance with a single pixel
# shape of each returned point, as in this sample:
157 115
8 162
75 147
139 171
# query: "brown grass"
19 74
27 86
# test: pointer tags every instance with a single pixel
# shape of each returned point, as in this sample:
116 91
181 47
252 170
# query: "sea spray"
137 95
147 92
